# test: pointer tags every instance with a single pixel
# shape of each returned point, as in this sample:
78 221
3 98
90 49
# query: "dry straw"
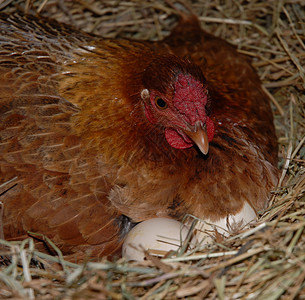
264 262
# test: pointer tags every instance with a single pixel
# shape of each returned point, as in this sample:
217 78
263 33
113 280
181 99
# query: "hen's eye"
160 103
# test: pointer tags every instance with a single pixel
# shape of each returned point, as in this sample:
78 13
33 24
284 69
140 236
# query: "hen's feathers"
74 133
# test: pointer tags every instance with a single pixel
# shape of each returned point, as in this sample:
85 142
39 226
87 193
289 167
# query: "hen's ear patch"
145 94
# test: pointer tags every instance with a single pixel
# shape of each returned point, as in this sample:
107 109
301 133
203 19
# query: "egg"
160 235
157 235
225 226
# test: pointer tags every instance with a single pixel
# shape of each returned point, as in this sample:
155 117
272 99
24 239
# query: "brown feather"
74 132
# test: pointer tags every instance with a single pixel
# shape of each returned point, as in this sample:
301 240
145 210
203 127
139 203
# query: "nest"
263 262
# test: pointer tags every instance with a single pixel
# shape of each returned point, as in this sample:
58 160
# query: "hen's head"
175 98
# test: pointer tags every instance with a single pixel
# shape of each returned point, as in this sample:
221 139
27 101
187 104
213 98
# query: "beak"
200 138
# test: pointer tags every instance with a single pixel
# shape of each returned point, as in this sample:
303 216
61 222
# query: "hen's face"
181 110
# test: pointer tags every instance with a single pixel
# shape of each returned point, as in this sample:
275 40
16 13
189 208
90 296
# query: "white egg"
160 235
206 230
157 235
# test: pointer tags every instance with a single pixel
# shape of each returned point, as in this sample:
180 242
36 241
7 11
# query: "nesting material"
263 262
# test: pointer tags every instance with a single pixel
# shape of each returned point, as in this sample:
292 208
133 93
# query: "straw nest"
263 262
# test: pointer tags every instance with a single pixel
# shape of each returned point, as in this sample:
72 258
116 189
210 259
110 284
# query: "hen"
97 134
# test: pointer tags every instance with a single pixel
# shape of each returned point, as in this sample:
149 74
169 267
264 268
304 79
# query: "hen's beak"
200 138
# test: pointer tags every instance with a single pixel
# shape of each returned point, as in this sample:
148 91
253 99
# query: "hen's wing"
55 188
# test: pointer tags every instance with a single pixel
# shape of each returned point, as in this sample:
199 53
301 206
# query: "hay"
265 262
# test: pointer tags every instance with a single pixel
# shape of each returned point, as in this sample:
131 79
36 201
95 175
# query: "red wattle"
176 140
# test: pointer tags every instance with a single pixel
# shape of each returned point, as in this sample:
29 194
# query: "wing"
52 181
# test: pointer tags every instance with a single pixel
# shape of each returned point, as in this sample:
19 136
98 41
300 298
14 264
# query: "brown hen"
97 134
